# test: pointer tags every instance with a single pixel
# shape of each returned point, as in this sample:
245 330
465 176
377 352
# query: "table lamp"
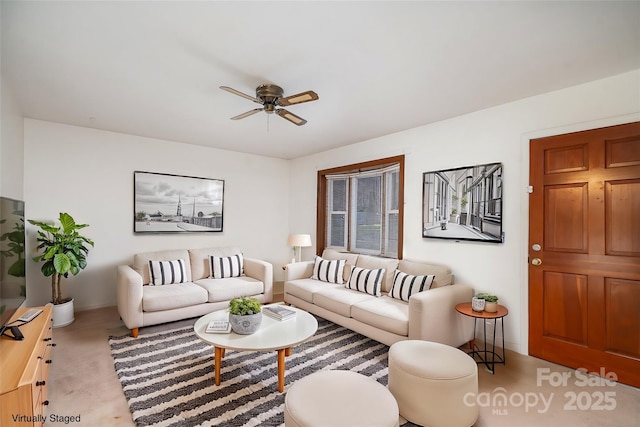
298 241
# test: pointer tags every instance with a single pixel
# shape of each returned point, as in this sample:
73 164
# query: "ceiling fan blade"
247 114
244 95
298 98
296 120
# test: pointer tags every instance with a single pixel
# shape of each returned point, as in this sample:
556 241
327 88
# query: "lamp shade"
302 240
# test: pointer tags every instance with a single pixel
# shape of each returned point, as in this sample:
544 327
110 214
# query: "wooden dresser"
24 370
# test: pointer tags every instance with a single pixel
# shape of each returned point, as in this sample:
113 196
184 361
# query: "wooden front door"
584 251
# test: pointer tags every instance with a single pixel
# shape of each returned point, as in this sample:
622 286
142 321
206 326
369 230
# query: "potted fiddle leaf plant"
63 251
245 315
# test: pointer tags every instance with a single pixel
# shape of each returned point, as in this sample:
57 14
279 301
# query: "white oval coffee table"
273 335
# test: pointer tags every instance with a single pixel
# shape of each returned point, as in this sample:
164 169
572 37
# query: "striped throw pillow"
231 266
167 272
328 270
405 285
364 280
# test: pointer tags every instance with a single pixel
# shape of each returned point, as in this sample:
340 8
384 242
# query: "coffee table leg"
218 354
281 355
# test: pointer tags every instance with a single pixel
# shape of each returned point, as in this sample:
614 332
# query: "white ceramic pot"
490 307
477 304
63 314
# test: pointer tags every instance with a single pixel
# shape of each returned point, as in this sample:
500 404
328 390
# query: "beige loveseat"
429 315
196 293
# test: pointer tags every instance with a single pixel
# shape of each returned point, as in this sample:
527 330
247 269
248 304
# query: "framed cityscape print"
463 203
166 203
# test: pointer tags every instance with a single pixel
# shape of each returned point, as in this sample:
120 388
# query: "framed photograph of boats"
165 203
463 203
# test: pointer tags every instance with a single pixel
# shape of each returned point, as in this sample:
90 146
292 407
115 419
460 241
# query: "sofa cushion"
305 288
384 313
373 262
228 266
367 281
159 298
350 260
230 287
405 285
200 267
418 268
141 262
339 300
167 272
328 270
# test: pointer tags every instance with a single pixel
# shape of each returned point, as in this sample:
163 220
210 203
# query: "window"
360 207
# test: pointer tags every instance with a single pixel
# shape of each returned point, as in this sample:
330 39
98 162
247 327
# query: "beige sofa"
429 315
141 304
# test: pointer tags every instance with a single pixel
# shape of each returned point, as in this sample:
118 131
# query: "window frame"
322 188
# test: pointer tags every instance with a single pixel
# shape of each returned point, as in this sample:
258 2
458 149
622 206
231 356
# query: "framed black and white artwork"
463 203
165 203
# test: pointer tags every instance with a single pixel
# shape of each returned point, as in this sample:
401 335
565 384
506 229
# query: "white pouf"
339 398
430 380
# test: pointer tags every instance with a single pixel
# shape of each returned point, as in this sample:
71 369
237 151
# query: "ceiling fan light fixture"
270 96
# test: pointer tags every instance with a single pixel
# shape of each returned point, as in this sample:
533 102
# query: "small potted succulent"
245 315
490 302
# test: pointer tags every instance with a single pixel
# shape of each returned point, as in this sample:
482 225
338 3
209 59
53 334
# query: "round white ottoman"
339 398
430 380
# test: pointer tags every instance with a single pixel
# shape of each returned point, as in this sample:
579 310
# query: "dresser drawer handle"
48 361
40 383
48 339
45 403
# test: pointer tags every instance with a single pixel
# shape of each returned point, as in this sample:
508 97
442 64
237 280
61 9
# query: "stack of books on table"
218 327
279 312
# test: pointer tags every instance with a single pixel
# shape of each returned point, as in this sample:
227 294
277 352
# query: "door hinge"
530 189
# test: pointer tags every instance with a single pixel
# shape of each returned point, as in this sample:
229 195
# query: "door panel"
565 216
565 307
622 209
623 325
584 296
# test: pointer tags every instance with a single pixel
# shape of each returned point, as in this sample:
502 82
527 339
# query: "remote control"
29 315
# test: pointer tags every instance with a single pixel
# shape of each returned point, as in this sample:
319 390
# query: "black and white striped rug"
167 377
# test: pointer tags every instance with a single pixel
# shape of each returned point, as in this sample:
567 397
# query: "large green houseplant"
63 250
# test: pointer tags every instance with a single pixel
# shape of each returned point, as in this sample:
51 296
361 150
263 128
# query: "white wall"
89 174
499 134
11 145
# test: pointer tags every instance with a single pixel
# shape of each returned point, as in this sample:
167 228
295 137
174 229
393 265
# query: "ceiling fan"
271 97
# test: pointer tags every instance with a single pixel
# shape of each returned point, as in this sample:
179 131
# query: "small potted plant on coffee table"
245 315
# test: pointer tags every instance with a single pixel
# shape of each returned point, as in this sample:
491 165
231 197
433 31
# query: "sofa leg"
134 332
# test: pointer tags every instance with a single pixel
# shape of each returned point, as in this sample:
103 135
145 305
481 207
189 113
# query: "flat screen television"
12 258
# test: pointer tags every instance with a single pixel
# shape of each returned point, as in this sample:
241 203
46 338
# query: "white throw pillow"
365 280
405 285
230 266
167 272
328 270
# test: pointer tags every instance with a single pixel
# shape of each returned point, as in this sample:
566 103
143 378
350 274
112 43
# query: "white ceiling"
153 68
